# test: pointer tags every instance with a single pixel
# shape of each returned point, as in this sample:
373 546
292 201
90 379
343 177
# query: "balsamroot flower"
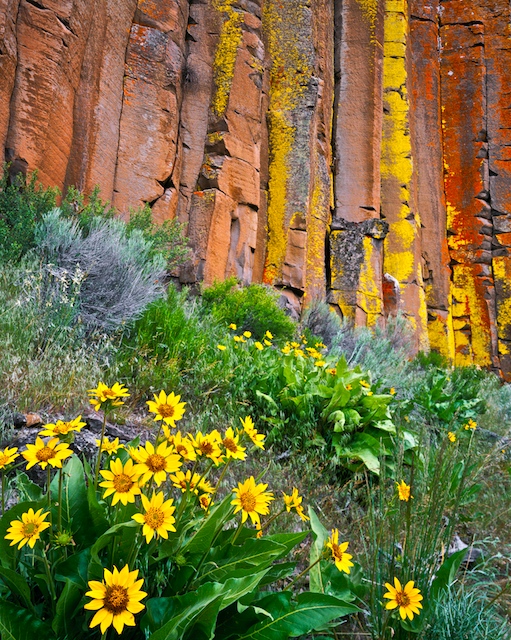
28 529
407 598
116 599
103 394
294 501
232 448
7 456
249 428
252 500
403 491
121 481
339 555
61 428
156 463
157 519
51 453
167 408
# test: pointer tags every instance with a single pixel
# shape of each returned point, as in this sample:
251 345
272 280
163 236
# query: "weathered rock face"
353 150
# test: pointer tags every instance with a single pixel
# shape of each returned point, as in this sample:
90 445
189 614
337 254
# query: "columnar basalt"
352 150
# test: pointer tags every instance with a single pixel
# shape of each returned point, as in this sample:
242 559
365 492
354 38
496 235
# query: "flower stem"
61 473
3 493
51 585
274 517
240 527
98 461
303 573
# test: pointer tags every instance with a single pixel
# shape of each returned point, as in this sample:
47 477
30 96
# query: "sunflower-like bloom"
294 501
249 428
61 428
403 491
157 519
7 456
156 463
252 500
116 599
183 446
121 481
208 445
452 436
110 446
112 396
167 408
408 599
28 529
185 481
232 448
339 555
205 501
44 454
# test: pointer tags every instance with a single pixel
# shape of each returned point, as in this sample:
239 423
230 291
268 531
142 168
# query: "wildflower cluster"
316 353
163 488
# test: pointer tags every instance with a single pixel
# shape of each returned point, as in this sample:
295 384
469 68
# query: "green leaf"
125 533
17 623
319 536
27 490
446 575
256 554
217 517
17 585
75 505
64 622
289 619
170 618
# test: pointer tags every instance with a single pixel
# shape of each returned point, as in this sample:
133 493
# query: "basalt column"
426 141
467 188
356 238
299 40
222 193
399 207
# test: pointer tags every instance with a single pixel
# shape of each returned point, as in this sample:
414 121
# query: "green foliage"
22 205
465 614
206 578
253 308
167 238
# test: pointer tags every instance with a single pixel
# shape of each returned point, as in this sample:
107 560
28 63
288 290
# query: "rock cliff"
353 150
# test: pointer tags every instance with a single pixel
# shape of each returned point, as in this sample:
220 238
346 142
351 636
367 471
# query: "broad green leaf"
169 618
256 554
214 522
319 536
27 489
446 575
290 619
17 623
64 621
17 585
124 534
74 569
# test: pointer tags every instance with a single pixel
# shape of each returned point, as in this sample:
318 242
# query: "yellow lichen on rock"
368 295
231 35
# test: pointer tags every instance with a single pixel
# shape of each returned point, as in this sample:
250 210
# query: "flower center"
116 599
62 428
336 552
122 483
109 393
154 518
44 454
166 410
3 460
402 599
230 445
29 529
206 447
248 501
155 462
182 450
